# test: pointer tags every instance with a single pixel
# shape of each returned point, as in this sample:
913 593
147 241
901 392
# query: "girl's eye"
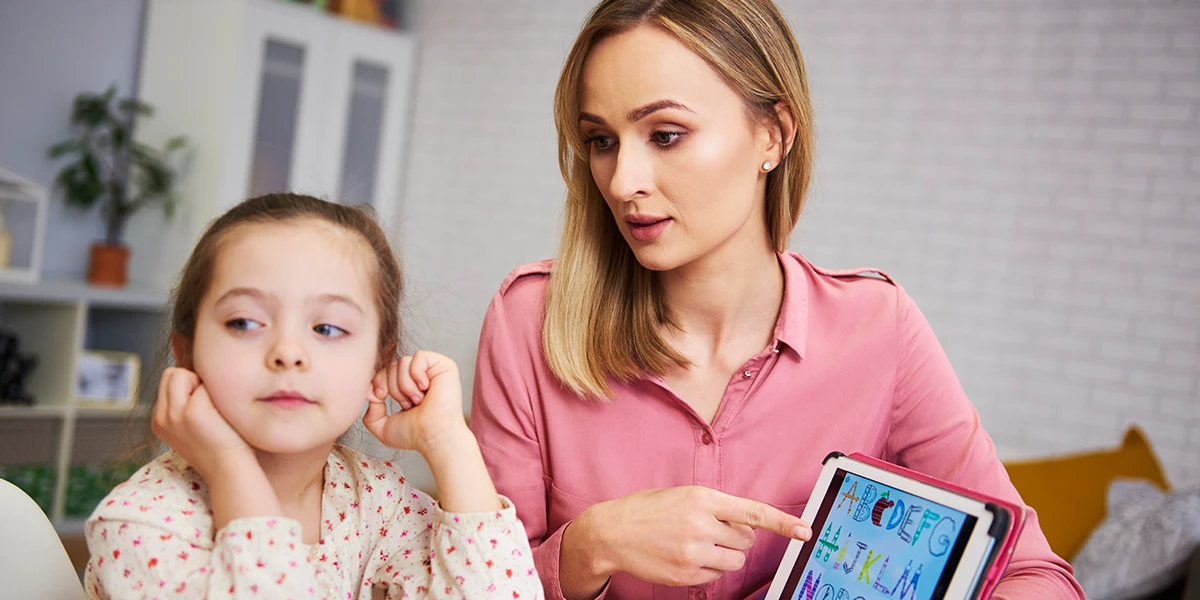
243 324
599 142
665 138
331 331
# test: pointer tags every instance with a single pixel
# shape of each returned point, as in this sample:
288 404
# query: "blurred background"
1029 171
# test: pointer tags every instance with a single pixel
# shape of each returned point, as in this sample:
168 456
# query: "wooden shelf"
73 290
99 411
32 412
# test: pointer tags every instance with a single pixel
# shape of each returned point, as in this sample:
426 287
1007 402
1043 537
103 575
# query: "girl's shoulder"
166 492
351 469
355 482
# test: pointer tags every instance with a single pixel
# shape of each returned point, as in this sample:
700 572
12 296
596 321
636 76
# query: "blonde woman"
657 401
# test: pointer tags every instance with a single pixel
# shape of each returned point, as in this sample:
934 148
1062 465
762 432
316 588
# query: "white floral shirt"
153 537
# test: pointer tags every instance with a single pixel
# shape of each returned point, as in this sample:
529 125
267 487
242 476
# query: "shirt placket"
709 466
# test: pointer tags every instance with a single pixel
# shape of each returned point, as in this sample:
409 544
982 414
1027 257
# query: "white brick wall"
1029 171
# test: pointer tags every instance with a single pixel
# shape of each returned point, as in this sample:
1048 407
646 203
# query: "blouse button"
700 595
747 374
706 438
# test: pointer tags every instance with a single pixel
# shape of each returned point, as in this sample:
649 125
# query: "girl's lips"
288 399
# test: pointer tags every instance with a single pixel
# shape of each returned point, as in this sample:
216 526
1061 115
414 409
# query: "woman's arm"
936 430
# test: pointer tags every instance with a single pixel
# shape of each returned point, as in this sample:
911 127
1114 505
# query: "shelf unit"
57 320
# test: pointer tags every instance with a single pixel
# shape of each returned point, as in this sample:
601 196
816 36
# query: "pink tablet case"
1006 541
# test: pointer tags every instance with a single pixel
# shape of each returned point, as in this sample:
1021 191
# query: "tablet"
879 533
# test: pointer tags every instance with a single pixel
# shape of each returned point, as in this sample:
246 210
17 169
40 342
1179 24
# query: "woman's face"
674 152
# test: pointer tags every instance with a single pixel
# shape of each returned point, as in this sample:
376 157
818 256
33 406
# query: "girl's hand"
427 387
185 418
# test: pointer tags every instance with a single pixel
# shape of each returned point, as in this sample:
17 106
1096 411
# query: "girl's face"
287 335
673 152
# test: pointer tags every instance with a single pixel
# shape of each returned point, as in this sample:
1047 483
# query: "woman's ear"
785 129
181 349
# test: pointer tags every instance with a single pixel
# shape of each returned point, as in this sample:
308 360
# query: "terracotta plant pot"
107 265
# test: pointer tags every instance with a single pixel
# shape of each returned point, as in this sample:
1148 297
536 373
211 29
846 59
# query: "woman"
657 401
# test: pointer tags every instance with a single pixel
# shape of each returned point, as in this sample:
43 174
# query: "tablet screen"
872 541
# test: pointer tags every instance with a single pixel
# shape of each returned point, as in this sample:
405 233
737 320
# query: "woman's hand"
676 536
427 388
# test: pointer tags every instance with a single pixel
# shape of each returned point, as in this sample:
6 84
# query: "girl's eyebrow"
237 292
260 296
340 298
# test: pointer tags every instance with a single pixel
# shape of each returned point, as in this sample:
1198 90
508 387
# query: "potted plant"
109 169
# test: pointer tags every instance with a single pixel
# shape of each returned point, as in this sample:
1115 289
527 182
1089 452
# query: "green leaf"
66 147
90 111
133 106
176 143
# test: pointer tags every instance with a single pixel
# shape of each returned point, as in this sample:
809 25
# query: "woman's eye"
599 142
665 138
242 324
328 330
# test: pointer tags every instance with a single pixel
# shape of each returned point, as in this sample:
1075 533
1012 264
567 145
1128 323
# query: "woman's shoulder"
519 304
861 283
527 282
864 296
166 492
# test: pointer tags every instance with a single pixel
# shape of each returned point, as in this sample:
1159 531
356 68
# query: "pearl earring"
767 165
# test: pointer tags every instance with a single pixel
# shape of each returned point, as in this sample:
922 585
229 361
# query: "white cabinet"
275 96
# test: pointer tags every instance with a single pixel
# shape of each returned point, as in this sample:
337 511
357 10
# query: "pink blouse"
854 366
153 537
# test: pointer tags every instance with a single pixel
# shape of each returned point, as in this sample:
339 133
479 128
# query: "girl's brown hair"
605 312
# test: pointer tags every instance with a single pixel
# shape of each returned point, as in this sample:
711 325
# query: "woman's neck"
731 292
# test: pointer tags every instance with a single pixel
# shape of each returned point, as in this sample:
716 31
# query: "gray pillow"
1143 543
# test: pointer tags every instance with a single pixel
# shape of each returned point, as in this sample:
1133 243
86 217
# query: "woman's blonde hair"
605 312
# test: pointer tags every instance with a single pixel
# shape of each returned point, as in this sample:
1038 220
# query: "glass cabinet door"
278 109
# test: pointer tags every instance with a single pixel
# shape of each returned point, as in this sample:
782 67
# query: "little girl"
284 325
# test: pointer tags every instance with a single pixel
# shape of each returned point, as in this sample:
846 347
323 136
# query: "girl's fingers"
379 385
422 362
375 418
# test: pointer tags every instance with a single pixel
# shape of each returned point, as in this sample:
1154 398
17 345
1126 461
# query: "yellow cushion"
1069 492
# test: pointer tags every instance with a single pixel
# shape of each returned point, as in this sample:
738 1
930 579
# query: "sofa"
1069 494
